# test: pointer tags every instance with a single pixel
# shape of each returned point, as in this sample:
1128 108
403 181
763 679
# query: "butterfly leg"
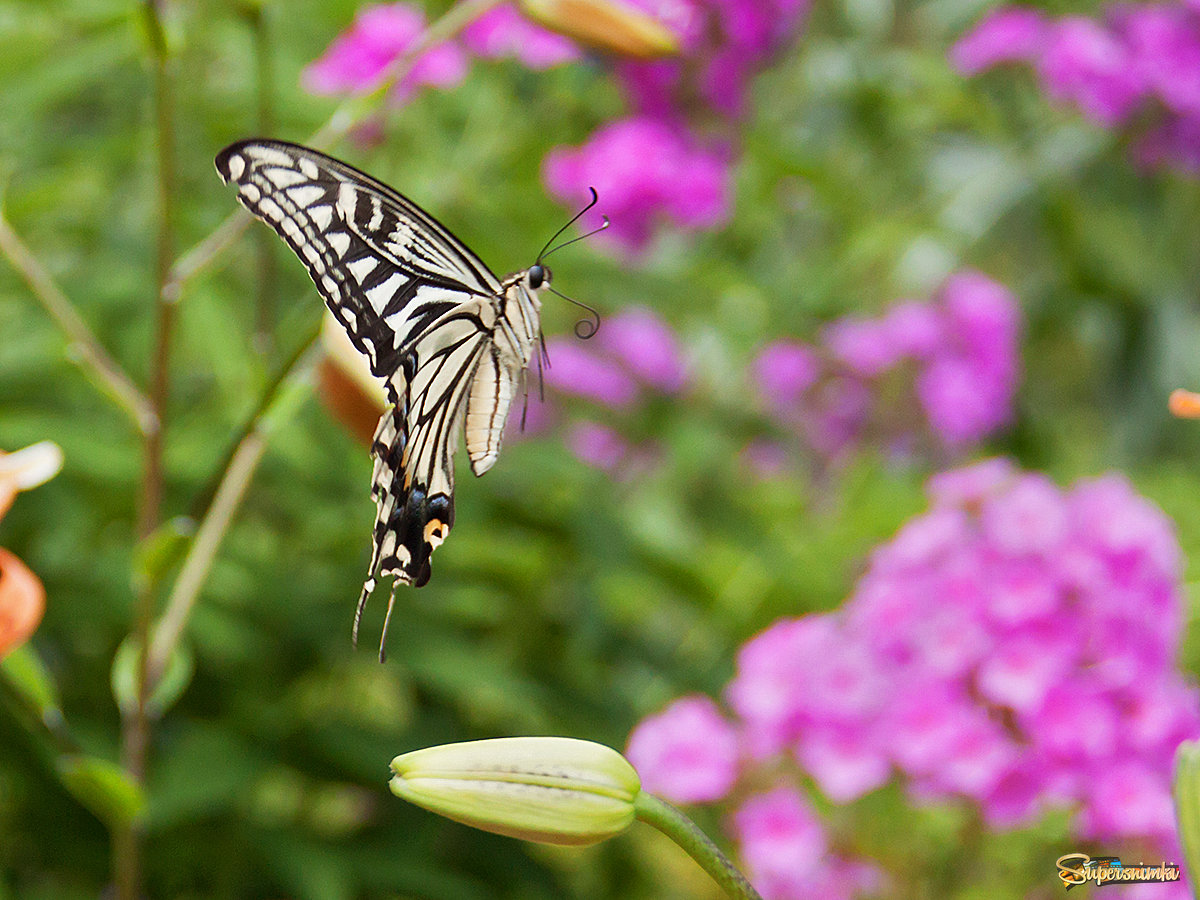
368 587
386 619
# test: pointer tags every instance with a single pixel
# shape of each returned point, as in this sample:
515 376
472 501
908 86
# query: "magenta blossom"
1088 64
646 346
645 171
577 370
504 32
1007 34
954 360
1013 648
597 446
784 371
1137 64
359 58
786 851
687 754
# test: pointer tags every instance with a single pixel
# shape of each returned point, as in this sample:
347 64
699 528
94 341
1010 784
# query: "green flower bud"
548 789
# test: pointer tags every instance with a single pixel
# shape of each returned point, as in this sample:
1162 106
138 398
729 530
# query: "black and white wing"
414 300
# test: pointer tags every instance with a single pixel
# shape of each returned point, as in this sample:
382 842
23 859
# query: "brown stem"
265 246
135 732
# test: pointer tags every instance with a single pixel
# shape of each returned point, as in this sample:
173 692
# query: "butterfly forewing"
449 340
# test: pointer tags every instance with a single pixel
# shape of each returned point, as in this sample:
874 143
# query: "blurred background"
854 246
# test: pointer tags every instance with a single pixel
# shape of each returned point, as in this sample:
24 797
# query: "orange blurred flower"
22 602
22 598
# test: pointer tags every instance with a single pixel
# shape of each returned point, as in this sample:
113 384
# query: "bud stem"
1187 807
684 832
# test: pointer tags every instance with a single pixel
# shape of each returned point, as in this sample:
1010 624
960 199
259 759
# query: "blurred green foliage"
564 603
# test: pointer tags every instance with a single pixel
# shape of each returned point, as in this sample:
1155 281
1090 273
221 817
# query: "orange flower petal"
1184 404
613 26
22 602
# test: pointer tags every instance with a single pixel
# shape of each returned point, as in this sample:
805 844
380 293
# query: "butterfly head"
537 277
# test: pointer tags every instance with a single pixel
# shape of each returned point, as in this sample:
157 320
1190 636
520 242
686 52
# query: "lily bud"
609 25
547 789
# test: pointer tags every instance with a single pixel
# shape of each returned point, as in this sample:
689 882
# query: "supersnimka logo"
1075 869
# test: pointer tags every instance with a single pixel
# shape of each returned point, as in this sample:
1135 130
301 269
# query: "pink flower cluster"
646 171
358 58
635 355
653 166
1014 648
691 754
724 44
956 356
1137 59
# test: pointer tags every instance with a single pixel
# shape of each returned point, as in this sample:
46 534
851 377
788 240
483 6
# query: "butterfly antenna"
595 199
584 328
603 225
386 619
368 586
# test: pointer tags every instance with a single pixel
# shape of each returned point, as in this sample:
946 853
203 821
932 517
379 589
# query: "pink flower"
358 58
970 485
645 171
576 370
846 761
646 346
771 668
597 446
782 843
1086 63
783 371
865 346
1006 34
982 317
1029 518
915 329
1128 799
687 754
505 32
1164 44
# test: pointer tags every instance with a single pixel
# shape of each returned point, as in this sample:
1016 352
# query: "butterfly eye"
538 275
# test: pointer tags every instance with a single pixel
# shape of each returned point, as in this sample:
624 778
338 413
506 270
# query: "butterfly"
451 341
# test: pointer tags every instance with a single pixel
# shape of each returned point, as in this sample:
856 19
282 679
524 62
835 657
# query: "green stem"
684 832
219 515
1187 808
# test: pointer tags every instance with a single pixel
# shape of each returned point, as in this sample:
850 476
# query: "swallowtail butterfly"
451 341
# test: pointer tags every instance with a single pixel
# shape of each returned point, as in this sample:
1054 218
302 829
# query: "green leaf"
103 787
171 685
160 551
28 675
